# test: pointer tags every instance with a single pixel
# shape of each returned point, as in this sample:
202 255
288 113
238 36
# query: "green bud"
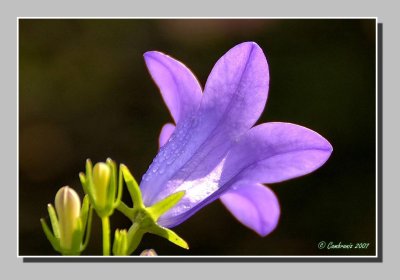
120 246
101 182
68 208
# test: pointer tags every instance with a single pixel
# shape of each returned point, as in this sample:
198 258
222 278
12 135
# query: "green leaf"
53 241
54 221
82 178
116 249
162 206
124 209
133 188
84 210
169 235
88 228
89 181
77 237
113 182
120 189
124 242
85 183
134 236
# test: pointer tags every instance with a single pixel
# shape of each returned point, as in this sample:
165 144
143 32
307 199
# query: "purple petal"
274 152
165 134
267 153
236 91
254 205
234 98
179 87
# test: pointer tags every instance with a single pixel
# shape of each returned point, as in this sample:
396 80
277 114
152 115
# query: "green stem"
124 209
135 235
106 235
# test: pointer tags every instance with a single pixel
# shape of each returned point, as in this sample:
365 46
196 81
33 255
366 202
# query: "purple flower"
214 151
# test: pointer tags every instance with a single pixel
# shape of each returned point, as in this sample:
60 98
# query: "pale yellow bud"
101 181
68 207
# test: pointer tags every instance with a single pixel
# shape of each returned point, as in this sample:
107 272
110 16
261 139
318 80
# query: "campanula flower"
213 151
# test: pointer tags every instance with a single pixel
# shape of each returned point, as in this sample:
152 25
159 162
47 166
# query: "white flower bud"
68 208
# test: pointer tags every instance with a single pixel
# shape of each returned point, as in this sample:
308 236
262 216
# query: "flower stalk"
105 221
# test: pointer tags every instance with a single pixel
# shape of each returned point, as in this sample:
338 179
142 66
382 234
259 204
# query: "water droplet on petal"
145 177
154 169
170 160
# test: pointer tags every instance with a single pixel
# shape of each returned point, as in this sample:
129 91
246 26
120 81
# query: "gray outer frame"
13 266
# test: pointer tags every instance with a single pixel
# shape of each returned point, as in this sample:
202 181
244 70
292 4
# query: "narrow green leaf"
133 188
88 228
82 177
120 189
124 209
87 183
162 206
53 241
169 235
89 169
54 221
84 210
77 237
111 192
124 243
117 243
89 180
134 236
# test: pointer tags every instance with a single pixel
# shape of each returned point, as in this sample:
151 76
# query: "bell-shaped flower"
213 151
69 222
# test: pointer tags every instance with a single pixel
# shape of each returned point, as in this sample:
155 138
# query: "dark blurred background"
84 92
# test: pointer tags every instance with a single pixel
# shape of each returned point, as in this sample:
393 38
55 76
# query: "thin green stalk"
124 209
106 235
